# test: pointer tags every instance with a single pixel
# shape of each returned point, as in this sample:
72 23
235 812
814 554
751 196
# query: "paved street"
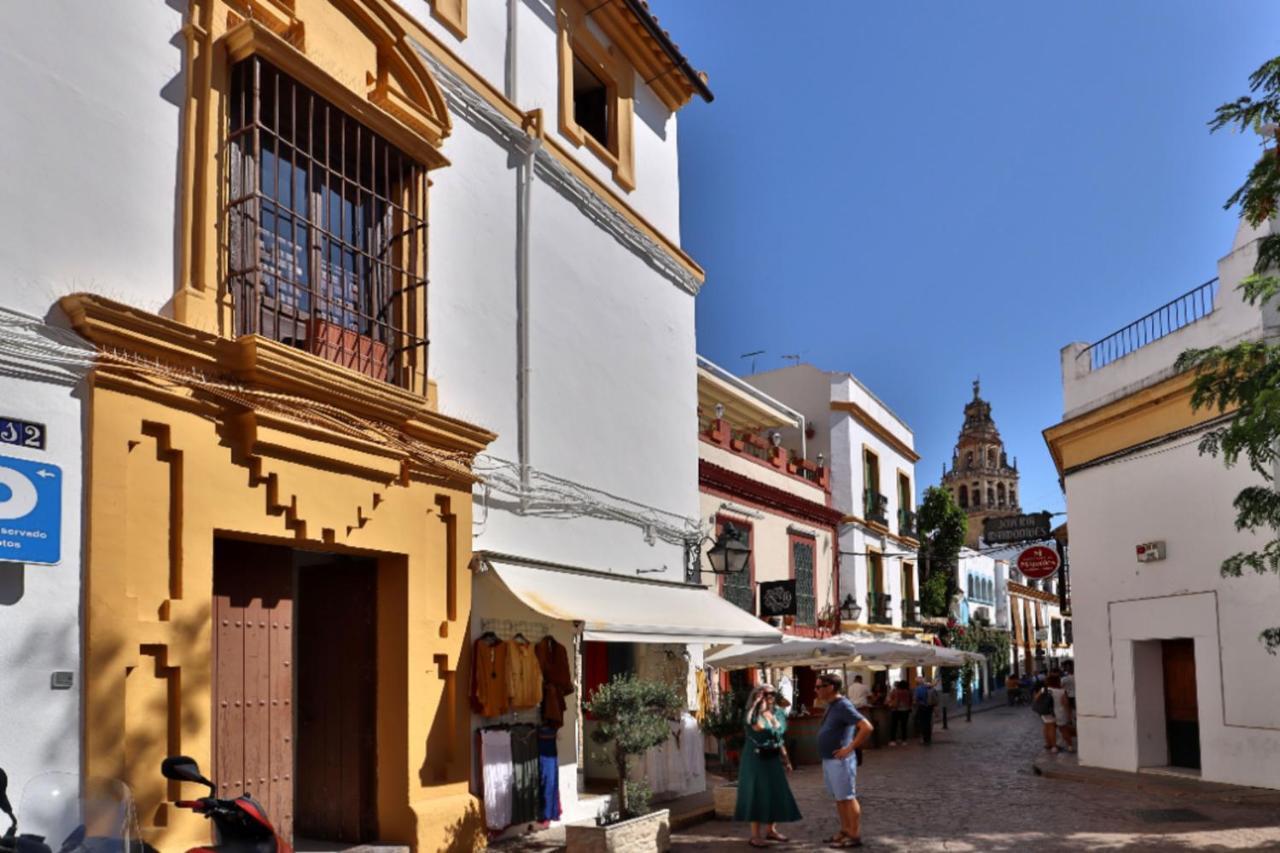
973 789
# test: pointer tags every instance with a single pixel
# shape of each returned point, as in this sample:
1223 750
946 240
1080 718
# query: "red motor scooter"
242 824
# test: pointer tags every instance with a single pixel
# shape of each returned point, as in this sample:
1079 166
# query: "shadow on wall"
13 583
467 833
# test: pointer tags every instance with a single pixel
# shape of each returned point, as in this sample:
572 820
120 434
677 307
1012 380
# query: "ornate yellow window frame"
354 53
575 40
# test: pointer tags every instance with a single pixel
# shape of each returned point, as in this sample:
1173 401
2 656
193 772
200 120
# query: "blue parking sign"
30 511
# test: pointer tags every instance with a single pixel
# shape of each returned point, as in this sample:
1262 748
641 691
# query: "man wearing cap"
842 732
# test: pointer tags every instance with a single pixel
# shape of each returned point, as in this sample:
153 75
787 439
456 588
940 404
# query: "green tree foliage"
1244 379
631 716
942 526
986 640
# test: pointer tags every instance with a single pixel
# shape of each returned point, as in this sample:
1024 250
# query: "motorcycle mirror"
74 840
183 769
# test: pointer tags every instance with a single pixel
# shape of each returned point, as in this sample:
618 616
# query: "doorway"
294 661
1181 711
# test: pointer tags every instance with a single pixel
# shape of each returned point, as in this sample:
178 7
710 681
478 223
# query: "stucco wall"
1184 499
78 216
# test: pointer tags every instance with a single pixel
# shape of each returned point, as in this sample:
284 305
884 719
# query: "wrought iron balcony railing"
906 523
910 613
878 610
1191 306
876 506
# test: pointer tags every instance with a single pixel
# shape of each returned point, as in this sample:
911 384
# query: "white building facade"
1170 671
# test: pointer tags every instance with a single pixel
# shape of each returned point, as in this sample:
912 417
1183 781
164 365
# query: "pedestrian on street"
1055 714
764 795
1069 686
899 713
1012 688
926 699
843 730
860 696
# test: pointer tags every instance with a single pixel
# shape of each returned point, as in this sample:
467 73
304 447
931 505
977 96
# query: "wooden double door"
294 690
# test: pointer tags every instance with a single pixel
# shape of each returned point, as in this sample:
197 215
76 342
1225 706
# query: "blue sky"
925 192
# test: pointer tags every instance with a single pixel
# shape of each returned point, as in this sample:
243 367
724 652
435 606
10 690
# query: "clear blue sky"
925 192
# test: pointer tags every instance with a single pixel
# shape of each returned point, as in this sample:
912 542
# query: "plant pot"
649 833
725 798
348 348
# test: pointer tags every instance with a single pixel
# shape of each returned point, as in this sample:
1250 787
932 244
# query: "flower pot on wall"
649 833
348 348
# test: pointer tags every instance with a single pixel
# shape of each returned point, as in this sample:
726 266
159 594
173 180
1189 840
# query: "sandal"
777 836
758 842
849 842
835 839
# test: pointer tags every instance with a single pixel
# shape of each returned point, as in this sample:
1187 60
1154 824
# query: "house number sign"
22 433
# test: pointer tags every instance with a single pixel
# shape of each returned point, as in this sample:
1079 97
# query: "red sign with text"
1038 562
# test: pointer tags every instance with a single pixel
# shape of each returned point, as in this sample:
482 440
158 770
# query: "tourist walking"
925 700
764 795
899 713
843 731
1055 714
1069 687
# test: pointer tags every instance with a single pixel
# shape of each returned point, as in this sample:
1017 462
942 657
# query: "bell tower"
981 480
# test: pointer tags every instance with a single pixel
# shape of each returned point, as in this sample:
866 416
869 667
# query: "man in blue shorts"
843 731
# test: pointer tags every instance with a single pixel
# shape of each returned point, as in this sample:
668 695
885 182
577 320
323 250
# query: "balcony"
907 523
875 507
767 452
878 610
910 613
1195 304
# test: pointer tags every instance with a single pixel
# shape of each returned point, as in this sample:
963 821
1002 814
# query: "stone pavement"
974 790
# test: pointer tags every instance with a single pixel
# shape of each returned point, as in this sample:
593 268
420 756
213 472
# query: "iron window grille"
806 603
737 587
325 230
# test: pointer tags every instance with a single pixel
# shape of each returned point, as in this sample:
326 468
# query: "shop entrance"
294 661
1181 712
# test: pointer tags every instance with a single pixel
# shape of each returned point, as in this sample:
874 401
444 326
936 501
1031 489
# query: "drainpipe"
513 11
524 198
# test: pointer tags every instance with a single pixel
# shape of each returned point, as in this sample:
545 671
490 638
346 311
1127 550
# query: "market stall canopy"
620 609
790 652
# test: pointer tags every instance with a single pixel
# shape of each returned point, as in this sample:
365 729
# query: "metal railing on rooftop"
1191 306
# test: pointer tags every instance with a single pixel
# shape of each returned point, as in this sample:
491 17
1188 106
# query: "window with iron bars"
325 230
802 564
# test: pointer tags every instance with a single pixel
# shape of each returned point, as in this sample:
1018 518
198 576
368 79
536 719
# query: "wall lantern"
851 609
729 555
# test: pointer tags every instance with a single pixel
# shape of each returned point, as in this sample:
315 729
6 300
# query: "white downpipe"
523 368
513 14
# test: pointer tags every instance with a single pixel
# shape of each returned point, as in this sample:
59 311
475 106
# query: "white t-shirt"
1069 685
858 693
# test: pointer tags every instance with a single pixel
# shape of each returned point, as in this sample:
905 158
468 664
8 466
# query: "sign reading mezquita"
981 478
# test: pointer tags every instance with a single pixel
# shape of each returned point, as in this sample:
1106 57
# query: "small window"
964 497
590 102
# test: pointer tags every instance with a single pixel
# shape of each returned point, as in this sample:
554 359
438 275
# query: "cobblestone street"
973 790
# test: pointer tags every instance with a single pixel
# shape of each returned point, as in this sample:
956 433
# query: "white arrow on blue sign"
30 511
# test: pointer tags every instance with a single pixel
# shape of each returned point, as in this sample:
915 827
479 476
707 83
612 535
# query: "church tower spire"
980 479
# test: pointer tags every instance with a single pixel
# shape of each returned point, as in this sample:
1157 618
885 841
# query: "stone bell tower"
981 479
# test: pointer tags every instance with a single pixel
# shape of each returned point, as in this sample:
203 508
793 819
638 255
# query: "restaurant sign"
778 598
1038 562
1016 528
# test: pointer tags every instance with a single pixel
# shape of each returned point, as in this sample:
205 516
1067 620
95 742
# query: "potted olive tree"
631 717
726 722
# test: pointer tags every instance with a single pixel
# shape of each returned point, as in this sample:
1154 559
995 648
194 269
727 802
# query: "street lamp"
729 555
851 609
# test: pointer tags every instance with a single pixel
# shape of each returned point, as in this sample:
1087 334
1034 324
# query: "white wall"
78 217
1184 499
656 196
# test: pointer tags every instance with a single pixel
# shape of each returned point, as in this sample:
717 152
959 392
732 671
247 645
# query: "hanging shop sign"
30 511
1038 562
1016 528
22 433
778 598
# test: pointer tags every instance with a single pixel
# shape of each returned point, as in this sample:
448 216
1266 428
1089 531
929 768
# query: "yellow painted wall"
163 481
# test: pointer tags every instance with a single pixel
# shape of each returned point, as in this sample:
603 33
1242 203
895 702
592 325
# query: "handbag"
768 751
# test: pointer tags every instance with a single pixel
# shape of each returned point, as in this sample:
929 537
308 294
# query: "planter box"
649 833
726 799
348 348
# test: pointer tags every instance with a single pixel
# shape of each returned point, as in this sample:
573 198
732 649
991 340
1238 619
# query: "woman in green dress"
764 796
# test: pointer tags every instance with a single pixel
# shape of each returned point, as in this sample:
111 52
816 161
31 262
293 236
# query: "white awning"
620 609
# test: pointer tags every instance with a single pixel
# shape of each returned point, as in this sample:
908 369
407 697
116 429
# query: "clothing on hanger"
524 762
498 777
490 680
704 696
524 675
557 679
548 775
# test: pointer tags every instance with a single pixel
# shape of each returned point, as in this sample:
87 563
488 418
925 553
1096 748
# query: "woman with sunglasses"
764 796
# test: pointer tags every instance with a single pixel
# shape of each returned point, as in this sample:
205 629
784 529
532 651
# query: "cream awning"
620 609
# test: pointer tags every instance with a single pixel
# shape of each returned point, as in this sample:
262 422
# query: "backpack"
1043 703
933 698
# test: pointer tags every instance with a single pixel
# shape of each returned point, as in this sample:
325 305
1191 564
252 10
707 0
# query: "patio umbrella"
797 652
